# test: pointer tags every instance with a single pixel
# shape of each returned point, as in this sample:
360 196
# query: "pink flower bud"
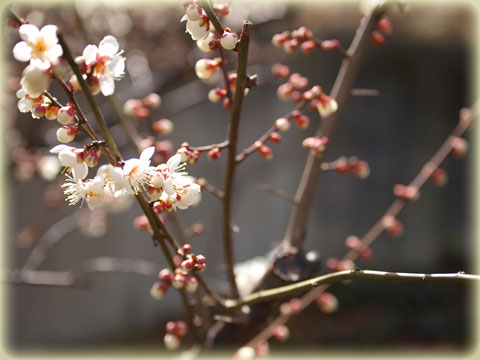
152 101
39 111
187 265
327 302
166 275
216 95
172 342
281 333
281 71
65 115
332 264
159 290
91 157
439 177
302 122
222 9
298 81
378 39
266 153
284 91
228 40
459 147
384 25
392 226
279 39
282 124
275 137
66 134
178 281
163 126
330 45
307 47
361 169
205 68
130 106
353 242
192 284
342 165
346 265
289 46
214 154
194 12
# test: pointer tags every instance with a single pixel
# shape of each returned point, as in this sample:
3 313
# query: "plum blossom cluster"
199 27
295 90
182 277
176 330
352 164
41 49
169 182
291 40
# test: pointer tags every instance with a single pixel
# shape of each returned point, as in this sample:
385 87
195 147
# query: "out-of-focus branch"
466 118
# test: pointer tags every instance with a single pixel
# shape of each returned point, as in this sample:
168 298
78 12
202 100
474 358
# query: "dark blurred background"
424 75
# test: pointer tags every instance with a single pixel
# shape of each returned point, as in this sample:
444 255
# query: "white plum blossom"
137 171
91 191
38 44
327 105
73 159
114 179
204 43
26 103
106 63
35 78
189 194
172 173
198 29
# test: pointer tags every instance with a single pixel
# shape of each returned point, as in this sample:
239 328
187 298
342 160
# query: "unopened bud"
65 115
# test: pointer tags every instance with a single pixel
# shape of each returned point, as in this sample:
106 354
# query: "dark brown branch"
232 148
270 189
364 92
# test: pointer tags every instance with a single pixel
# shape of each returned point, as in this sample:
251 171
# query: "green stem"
205 4
293 289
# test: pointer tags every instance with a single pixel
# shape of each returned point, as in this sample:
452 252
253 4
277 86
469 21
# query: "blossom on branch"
73 159
105 63
38 44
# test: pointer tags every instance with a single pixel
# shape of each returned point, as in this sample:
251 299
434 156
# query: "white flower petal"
108 46
49 33
147 154
173 162
22 52
55 52
80 171
60 147
68 158
107 85
20 93
24 105
196 30
168 187
117 66
28 32
90 54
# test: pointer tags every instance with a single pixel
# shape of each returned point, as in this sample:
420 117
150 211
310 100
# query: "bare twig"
264 137
270 189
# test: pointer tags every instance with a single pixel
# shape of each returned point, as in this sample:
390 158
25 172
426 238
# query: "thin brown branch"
220 145
364 92
210 188
270 189
232 148
265 136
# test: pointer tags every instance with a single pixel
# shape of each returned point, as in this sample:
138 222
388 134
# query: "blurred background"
424 76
